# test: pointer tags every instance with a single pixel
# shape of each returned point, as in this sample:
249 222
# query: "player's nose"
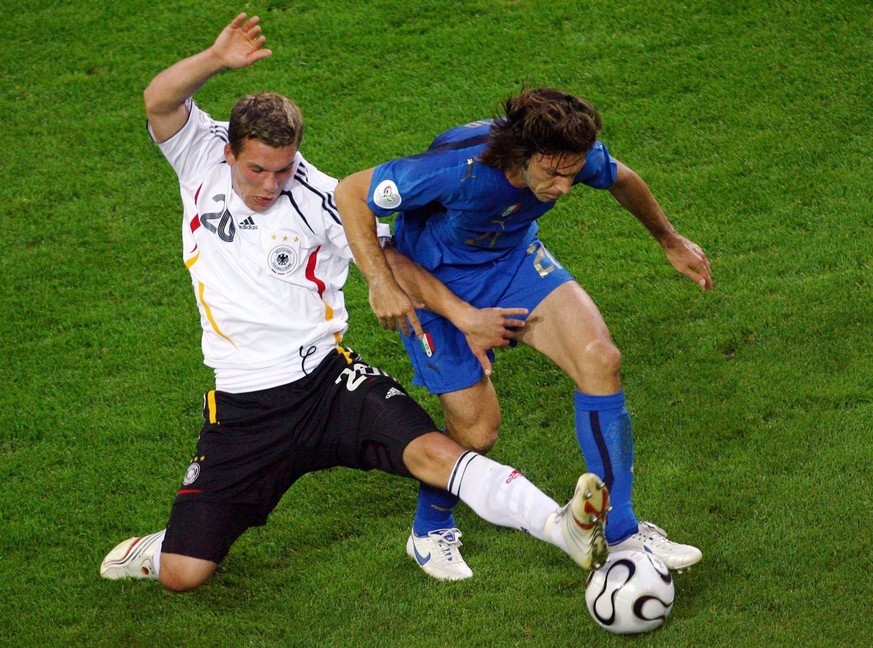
563 185
271 182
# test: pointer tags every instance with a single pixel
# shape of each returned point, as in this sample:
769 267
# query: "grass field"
752 405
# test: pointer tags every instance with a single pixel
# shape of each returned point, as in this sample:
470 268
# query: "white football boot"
653 539
438 554
132 558
583 520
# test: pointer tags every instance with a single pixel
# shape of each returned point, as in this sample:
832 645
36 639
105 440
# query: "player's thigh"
376 423
472 415
568 328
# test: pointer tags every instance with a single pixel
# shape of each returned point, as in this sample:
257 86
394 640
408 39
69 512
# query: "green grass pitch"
751 121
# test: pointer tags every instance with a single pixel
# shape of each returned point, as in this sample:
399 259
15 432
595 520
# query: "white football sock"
553 533
156 557
502 495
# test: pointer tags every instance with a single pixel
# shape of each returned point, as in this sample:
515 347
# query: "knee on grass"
183 573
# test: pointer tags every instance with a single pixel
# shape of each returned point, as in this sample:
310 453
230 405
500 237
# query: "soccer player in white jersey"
268 257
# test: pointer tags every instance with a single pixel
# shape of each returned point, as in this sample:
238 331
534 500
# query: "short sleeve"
600 168
409 183
197 147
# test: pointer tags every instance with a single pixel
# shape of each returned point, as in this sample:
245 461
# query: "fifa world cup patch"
427 344
386 195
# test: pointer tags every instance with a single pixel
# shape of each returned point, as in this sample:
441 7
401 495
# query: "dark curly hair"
267 117
541 121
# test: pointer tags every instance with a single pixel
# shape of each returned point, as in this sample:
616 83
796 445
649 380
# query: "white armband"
383 233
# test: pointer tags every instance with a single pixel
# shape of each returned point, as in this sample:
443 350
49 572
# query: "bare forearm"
426 289
634 195
175 85
360 226
686 256
484 328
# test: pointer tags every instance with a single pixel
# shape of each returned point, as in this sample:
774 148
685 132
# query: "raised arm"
390 303
687 257
239 45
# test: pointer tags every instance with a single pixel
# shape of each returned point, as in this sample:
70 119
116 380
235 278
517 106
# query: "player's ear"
228 155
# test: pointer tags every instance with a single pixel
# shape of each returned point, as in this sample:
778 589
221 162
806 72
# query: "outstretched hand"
689 259
241 43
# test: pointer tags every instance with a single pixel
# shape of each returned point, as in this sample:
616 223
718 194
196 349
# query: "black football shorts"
255 445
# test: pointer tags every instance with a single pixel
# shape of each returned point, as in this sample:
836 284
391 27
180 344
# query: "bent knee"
183 574
479 437
484 442
602 358
179 584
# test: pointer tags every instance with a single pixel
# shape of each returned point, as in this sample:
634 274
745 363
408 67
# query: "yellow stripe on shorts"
211 407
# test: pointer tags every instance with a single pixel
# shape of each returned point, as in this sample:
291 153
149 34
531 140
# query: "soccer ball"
632 592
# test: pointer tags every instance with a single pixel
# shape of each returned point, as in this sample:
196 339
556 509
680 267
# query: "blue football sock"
605 435
434 510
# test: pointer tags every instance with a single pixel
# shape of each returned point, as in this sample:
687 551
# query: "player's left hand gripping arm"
484 328
634 195
389 302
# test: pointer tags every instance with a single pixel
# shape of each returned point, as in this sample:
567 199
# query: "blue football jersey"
452 210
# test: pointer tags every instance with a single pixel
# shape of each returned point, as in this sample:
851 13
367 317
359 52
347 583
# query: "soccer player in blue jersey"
467 210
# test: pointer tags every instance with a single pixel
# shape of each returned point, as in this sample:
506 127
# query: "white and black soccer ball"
632 592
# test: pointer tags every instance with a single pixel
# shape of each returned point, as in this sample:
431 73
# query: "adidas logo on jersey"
394 392
248 224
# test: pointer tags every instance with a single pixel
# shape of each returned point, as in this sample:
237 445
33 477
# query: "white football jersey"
268 284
